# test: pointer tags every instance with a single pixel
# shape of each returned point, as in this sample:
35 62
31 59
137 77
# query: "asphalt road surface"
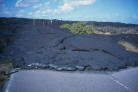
53 81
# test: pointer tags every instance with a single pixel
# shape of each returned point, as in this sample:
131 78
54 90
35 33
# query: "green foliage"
5 67
88 29
120 42
79 28
65 26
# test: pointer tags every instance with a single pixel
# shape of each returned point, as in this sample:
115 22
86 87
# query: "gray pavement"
53 81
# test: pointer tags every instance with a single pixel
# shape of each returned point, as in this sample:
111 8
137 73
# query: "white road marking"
118 82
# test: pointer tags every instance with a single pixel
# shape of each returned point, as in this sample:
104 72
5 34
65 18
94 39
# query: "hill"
29 43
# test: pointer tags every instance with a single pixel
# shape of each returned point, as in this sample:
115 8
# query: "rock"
51 66
80 68
51 47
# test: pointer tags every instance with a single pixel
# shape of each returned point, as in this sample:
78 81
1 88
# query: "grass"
128 46
4 70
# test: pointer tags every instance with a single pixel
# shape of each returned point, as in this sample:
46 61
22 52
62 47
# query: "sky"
125 11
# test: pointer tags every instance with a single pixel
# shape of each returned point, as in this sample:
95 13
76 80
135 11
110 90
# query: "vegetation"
65 26
79 28
4 70
128 46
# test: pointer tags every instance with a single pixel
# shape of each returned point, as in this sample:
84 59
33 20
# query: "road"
54 81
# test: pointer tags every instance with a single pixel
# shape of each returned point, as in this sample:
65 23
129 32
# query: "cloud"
37 6
30 13
20 13
41 6
41 10
55 0
39 14
55 11
69 5
7 12
25 3
135 17
4 10
66 7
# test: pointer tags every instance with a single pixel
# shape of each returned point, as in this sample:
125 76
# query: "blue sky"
94 10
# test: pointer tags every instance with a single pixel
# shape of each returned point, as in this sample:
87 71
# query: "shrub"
88 29
65 26
79 28
4 70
